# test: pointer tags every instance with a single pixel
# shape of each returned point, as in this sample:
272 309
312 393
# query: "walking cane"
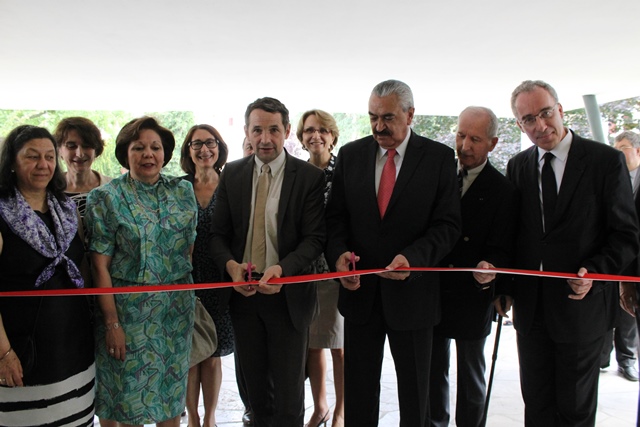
494 357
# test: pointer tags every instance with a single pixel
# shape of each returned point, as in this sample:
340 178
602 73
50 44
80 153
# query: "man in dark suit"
576 215
488 223
625 333
280 232
394 204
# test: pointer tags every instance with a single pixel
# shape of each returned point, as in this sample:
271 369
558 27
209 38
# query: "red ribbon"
303 279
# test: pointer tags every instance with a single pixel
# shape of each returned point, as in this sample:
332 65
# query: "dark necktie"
549 189
461 174
259 240
387 181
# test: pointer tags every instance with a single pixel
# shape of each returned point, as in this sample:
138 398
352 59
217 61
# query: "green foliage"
623 115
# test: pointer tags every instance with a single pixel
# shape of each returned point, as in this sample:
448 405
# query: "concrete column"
594 117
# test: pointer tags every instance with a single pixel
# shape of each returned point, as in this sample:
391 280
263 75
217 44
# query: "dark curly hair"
14 142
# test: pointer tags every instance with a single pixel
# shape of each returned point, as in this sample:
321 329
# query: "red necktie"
387 181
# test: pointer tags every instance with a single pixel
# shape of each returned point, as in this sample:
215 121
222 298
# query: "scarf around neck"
26 224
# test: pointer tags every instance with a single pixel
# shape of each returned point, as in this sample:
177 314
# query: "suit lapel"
370 156
573 172
531 175
246 193
480 184
412 158
290 169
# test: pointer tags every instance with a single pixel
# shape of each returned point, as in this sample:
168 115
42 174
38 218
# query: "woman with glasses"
142 227
318 132
202 156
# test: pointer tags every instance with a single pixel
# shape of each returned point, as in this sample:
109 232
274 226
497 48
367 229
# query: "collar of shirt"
560 151
276 164
470 176
400 149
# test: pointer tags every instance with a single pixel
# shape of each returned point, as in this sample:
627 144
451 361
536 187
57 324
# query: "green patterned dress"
148 247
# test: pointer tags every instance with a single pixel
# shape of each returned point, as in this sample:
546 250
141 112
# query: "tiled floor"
616 408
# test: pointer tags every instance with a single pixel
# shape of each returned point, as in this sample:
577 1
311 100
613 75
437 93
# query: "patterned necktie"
387 181
549 189
258 240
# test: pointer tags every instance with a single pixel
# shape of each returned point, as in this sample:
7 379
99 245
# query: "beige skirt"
327 330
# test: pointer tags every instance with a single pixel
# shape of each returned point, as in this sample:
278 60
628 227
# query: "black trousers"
272 354
471 385
364 352
559 381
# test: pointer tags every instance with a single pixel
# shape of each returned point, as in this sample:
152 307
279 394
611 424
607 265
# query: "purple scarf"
26 224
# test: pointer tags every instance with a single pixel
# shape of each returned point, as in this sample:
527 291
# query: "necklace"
143 207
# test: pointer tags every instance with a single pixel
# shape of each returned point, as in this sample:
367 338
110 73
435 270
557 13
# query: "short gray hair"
529 86
398 88
492 126
632 137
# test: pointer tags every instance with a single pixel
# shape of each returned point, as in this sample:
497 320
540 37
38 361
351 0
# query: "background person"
80 143
46 343
576 215
142 227
488 222
625 333
318 132
202 157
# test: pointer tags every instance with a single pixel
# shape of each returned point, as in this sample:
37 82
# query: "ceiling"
214 56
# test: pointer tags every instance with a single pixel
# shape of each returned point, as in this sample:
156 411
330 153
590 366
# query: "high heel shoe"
322 423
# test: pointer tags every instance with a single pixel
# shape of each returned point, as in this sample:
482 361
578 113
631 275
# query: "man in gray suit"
280 232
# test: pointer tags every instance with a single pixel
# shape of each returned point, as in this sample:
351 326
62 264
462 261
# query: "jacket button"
466 239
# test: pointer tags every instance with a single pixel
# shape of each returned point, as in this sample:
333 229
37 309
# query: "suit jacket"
488 226
594 226
301 227
422 222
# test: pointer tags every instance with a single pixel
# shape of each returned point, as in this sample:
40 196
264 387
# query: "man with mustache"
576 215
394 204
488 223
269 220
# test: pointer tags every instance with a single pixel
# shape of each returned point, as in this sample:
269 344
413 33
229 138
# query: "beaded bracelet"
7 353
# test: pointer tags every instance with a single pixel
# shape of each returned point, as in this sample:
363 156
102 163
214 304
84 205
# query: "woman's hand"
115 340
10 370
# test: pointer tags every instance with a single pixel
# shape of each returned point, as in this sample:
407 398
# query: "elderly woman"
142 226
47 369
202 156
79 144
318 132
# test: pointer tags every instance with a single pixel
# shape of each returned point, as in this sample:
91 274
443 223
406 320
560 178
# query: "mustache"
384 132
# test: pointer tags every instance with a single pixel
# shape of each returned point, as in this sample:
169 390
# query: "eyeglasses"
197 144
321 131
544 114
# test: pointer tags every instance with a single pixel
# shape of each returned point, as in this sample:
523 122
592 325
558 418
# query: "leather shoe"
247 417
629 372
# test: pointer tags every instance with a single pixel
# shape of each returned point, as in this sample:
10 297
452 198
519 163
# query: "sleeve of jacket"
444 219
